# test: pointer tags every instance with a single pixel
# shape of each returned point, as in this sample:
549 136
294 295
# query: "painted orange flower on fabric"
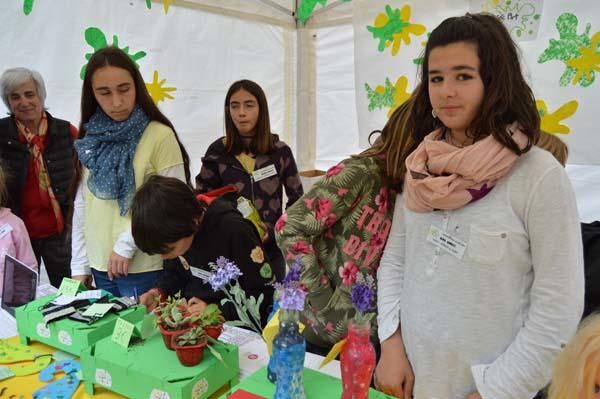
394 27
257 255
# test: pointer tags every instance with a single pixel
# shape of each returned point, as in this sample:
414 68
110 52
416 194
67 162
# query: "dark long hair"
117 58
507 97
263 141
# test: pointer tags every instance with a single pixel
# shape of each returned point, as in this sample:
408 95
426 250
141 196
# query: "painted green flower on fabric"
307 7
97 39
579 52
394 27
27 6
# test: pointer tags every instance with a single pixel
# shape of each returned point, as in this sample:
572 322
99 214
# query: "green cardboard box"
316 385
147 369
67 335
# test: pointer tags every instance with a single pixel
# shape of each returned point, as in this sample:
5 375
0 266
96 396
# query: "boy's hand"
196 306
150 299
84 279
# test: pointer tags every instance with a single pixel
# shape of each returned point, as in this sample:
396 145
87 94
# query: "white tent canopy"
201 46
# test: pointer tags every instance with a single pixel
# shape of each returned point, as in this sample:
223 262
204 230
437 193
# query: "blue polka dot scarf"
107 151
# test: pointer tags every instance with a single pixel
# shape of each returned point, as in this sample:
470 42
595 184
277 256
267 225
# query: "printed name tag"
265 172
7 228
198 273
445 241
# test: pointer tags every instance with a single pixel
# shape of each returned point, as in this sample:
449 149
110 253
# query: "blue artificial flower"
291 296
294 273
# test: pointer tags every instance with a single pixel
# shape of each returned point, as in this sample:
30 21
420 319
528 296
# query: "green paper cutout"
149 4
68 287
265 271
122 332
12 352
98 310
97 39
27 6
579 53
34 367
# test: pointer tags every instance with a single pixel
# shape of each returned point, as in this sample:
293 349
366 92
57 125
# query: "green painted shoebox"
67 335
147 369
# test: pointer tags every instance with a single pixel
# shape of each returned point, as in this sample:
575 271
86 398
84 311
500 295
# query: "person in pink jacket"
14 239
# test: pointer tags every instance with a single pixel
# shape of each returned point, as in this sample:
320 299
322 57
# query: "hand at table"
393 374
196 306
118 266
84 279
150 299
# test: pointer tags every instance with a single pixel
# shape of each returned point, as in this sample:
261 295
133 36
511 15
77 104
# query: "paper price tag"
98 310
68 287
122 332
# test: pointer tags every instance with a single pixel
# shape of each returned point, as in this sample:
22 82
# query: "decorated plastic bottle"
290 348
357 361
271 372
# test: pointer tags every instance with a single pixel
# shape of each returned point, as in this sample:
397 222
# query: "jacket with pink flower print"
339 228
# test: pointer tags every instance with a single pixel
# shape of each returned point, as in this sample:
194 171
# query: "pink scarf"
442 176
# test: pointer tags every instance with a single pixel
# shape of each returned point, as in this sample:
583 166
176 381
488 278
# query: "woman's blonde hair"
554 146
394 144
577 368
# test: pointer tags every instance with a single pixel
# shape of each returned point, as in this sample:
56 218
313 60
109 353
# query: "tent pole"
278 7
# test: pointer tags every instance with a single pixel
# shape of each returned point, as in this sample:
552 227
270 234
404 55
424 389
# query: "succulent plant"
192 337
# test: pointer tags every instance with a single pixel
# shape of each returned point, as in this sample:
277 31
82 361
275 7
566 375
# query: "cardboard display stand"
68 335
146 369
316 385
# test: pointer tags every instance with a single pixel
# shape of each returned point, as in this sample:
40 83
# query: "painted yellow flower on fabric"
257 255
401 94
165 5
157 91
394 27
587 62
551 121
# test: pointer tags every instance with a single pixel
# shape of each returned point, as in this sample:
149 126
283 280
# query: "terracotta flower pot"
169 335
190 355
214 331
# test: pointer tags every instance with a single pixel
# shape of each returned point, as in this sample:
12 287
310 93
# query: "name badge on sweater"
199 273
5 229
445 241
263 173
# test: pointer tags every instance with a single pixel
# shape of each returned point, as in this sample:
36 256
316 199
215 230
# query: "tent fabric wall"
198 52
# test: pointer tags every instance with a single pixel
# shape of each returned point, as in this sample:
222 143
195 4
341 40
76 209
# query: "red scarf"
37 145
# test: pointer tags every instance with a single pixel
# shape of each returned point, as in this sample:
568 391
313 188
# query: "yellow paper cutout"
272 329
337 348
157 91
551 121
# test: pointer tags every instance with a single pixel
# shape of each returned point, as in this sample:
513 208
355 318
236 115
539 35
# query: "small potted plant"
212 321
190 345
173 318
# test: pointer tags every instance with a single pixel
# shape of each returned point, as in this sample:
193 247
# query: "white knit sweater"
494 320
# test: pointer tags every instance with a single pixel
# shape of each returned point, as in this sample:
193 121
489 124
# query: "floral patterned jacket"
339 228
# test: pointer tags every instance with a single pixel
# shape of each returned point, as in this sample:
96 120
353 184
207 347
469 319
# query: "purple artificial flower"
294 273
224 271
363 294
291 296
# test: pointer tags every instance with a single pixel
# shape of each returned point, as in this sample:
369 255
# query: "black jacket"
591 259
58 156
223 232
